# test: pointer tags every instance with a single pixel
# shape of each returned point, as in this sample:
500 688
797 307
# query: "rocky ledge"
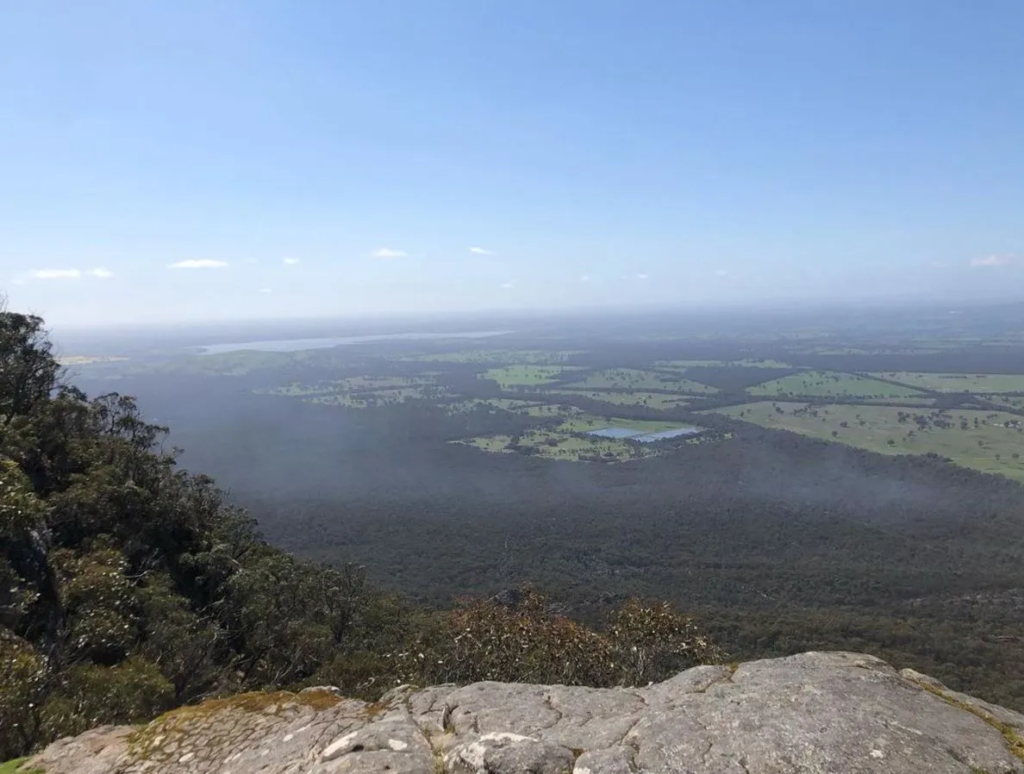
815 712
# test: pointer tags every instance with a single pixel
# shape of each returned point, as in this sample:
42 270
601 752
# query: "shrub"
22 684
526 642
91 695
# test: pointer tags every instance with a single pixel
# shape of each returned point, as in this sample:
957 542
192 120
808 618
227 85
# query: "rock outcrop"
815 712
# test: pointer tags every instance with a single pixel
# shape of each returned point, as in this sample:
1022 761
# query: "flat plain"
984 440
513 376
830 384
885 411
638 379
975 383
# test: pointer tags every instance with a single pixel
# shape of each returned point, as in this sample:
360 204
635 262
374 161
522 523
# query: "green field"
655 400
635 379
553 445
831 385
978 383
547 410
352 384
1012 401
529 408
378 398
984 440
525 375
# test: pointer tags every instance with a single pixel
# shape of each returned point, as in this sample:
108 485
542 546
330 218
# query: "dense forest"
128 586
373 548
773 541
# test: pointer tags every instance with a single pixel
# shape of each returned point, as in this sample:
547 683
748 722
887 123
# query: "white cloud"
989 261
200 263
54 274
290 261
265 290
61 274
643 276
480 251
721 273
387 252
585 278
508 285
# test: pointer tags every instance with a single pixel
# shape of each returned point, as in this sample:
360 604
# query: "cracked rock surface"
815 712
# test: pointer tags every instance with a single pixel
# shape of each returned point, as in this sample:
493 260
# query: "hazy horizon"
390 319
272 160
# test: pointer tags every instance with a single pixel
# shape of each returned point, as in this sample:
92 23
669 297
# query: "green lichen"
1013 740
438 762
150 741
12 767
374 709
258 701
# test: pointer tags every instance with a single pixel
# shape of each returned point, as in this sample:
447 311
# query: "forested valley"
327 522
129 586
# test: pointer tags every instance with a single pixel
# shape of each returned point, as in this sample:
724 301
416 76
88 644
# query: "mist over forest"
381 453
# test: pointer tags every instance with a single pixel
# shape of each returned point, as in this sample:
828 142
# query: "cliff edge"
814 712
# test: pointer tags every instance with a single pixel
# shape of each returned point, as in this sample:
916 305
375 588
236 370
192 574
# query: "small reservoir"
625 433
666 434
615 432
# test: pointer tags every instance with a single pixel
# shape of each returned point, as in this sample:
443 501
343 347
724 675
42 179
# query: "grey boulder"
821 713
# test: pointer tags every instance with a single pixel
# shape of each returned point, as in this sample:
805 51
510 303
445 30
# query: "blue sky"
311 157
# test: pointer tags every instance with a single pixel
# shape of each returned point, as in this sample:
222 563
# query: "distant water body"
297 345
642 437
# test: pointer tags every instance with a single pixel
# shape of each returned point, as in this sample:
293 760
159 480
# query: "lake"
615 432
665 434
297 345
